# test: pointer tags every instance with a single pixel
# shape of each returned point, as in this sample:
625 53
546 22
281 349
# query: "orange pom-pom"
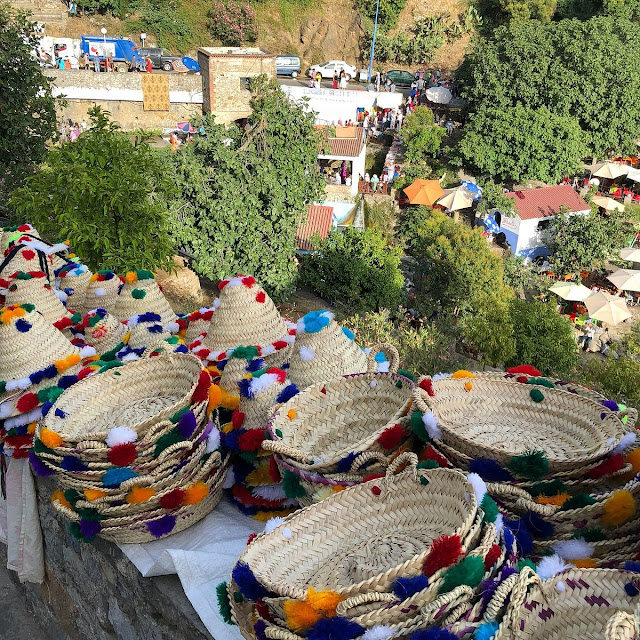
632 458
300 615
557 500
196 493
618 508
131 277
324 602
58 496
229 401
585 563
50 438
140 494
291 414
463 373
468 386
215 395
94 494
31 428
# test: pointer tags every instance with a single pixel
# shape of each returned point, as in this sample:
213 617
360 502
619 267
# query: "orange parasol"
424 192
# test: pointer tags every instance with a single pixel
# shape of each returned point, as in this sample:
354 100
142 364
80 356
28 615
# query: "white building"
348 145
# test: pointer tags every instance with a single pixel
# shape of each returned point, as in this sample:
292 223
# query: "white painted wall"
117 93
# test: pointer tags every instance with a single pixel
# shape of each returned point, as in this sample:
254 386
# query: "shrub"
617 379
356 269
380 216
233 23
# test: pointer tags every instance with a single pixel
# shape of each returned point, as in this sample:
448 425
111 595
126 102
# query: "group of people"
373 184
340 80
70 130
93 63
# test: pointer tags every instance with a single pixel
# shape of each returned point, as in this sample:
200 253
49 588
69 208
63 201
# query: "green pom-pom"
138 294
110 365
536 395
406 374
166 441
178 414
490 508
223 602
74 527
418 428
590 535
469 571
172 340
143 274
257 374
40 447
551 488
72 496
92 515
531 465
76 317
291 485
238 597
428 464
246 353
542 382
578 501
50 394
94 319
525 563
21 275
28 307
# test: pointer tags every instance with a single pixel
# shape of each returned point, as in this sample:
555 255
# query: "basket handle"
526 578
421 398
622 626
499 599
462 593
365 456
403 458
524 500
631 415
363 598
285 450
277 633
390 351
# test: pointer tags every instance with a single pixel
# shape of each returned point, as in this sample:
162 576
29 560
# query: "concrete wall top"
91 80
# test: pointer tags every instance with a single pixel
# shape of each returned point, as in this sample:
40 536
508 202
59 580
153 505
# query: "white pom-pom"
373 384
479 486
440 376
383 367
577 549
306 353
172 327
271 492
33 416
216 304
121 435
431 426
257 385
268 350
627 440
213 440
549 566
5 409
56 248
87 351
379 632
561 586
100 292
129 357
61 295
272 523
499 523
20 383
229 480
286 532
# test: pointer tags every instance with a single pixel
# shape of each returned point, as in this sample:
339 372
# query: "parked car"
400 78
160 59
327 69
288 66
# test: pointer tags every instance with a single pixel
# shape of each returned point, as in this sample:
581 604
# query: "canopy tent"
626 279
491 225
571 291
473 188
608 204
456 199
634 174
607 308
632 254
424 192
611 170
439 95
386 101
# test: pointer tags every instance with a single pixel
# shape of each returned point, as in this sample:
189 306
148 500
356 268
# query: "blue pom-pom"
245 388
155 328
406 587
380 357
60 413
629 565
348 333
22 430
315 321
507 534
335 628
113 478
187 425
523 538
255 365
433 633
631 589
149 316
46 407
344 465
287 393
490 470
71 463
247 584
230 440
22 325
537 526
181 348
67 381
610 404
486 631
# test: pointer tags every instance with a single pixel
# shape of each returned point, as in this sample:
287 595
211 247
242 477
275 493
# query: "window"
244 83
543 225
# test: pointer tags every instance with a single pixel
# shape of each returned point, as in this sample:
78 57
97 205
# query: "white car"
327 69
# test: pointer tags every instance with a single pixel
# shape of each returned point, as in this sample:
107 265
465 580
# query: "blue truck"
121 51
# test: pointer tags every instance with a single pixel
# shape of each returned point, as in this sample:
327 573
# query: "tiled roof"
344 147
546 201
318 222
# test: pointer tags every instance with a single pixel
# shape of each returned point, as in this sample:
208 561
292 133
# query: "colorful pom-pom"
140 494
445 550
300 615
335 628
50 438
113 478
223 602
162 526
247 582
201 392
404 588
196 493
536 395
138 294
618 508
468 571
122 455
172 500
391 437
71 463
531 465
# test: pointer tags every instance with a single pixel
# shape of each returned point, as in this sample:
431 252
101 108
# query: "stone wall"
94 592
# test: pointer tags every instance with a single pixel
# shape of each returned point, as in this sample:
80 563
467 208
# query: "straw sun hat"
102 292
21 258
103 331
141 294
32 287
10 234
74 280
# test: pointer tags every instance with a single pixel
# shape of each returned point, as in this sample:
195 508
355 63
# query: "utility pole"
373 42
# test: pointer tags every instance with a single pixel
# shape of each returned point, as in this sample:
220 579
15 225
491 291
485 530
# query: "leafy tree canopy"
244 192
105 194
496 12
493 197
422 136
27 109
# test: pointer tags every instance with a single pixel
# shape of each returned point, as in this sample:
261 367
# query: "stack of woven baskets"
133 450
558 458
409 552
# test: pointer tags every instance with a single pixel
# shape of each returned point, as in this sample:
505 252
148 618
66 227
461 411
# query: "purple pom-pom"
631 589
487 590
39 467
287 393
433 633
335 628
89 529
258 629
22 325
71 463
187 424
247 582
537 526
406 587
161 526
490 470
629 565
611 405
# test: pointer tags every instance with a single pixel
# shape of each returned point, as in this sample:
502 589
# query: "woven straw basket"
34 292
78 283
327 422
106 335
398 516
101 294
576 604
332 354
153 300
20 258
496 419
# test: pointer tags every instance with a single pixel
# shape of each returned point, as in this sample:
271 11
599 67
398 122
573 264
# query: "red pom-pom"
445 550
24 228
248 281
122 455
527 369
427 386
251 538
203 354
237 419
63 323
429 453
201 392
292 332
280 373
28 402
182 324
376 490
122 279
25 440
274 472
222 285
522 379
27 254
609 466
373 476
280 344
172 500
251 440
492 556
83 373
392 437
262 609
20 453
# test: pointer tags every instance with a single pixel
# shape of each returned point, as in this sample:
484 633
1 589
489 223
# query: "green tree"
519 143
495 12
543 338
245 191
388 11
617 379
493 197
355 269
583 242
27 108
107 195
421 135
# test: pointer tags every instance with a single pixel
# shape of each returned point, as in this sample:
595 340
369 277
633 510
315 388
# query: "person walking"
83 125
343 79
585 339
377 81
374 182
318 79
149 65
335 79
96 64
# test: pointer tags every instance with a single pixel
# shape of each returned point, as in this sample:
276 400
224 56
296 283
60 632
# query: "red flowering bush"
233 23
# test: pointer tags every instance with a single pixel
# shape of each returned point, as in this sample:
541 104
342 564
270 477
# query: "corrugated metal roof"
318 222
344 147
546 201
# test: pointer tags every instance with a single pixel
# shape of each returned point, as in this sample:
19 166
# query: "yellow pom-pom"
229 401
31 428
463 373
468 386
195 494
618 508
585 563
140 494
94 494
131 277
557 500
93 278
337 488
291 414
300 615
322 494
324 602
227 428
9 314
215 395
50 438
260 477
58 496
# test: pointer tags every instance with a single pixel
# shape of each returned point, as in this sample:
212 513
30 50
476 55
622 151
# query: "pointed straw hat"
21 258
74 280
245 315
59 252
146 330
10 234
198 323
141 294
102 292
32 288
103 331
323 351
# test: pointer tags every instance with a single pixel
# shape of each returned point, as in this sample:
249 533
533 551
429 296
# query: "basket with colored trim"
102 291
141 294
11 233
323 351
104 331
497 420
576 603
327 425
